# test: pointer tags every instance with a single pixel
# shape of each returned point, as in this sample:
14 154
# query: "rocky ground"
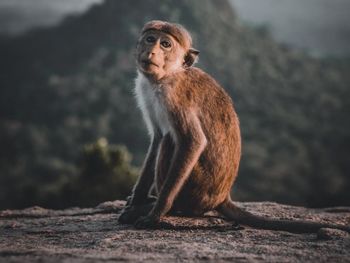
93 235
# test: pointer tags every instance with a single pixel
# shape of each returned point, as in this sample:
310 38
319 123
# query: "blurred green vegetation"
64 87
105 173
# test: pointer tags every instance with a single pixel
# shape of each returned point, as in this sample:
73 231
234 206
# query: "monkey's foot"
147 222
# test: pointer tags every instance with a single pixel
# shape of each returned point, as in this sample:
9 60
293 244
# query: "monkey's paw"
129 215
147 222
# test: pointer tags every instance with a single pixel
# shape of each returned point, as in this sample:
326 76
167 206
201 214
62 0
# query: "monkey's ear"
191 57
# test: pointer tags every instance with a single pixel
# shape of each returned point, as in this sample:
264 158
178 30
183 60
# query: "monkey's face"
159 54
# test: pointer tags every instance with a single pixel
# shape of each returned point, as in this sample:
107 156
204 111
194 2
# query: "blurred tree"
105 173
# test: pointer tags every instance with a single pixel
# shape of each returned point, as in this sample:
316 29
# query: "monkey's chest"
154 110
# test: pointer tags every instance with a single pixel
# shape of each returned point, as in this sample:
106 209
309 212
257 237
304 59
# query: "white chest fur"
150 100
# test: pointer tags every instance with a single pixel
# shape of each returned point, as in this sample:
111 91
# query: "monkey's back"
212 177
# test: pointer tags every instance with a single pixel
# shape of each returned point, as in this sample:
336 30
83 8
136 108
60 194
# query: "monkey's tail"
239 215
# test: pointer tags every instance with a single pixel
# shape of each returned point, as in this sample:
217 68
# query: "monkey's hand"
132 212
129 215
148 221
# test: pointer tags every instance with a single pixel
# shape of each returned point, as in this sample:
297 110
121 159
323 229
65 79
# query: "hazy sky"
320 25
19 15
323 26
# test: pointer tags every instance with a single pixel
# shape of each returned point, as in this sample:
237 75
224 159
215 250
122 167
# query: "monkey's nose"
153 51
151 54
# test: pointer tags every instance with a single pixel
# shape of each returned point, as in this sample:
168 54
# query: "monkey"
195 149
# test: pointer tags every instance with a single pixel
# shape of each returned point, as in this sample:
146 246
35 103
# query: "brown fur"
203 97
194 155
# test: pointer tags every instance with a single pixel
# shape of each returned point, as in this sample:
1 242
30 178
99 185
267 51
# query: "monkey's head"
164 48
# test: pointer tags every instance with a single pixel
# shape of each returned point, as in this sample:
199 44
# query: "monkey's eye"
150 39
166 43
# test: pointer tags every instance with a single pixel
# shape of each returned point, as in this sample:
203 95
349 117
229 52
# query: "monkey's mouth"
147 63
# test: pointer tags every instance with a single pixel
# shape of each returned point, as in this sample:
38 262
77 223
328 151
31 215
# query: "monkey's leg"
185 157
141 189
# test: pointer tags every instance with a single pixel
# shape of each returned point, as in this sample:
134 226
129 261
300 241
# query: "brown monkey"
195 149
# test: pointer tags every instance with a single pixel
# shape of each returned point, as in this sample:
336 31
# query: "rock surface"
93 235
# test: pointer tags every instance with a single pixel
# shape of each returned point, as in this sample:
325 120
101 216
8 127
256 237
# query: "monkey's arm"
190 143
145 181
139 203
